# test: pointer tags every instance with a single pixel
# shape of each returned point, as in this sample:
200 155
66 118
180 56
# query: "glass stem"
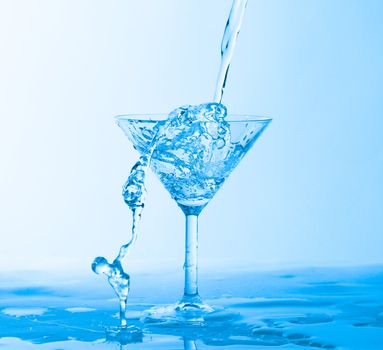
191 257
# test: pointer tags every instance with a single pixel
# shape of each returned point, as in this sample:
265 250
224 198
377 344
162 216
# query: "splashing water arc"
193 130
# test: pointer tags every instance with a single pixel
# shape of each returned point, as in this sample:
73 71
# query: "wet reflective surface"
301 309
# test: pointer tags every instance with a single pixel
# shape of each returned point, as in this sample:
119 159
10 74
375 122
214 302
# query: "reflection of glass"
189 344
192 188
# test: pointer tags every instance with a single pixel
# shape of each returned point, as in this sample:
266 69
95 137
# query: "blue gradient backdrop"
309 193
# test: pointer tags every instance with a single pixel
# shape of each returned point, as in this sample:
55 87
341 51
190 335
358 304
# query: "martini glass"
205 167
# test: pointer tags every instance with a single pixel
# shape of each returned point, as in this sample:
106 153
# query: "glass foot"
179 313
192 312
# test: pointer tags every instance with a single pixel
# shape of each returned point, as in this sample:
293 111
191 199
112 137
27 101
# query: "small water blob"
100 265
312 319
267 336
297 336
134 191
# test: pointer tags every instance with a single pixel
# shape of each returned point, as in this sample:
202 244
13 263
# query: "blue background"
309 193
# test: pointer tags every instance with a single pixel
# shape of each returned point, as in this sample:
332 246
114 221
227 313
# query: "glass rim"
156 117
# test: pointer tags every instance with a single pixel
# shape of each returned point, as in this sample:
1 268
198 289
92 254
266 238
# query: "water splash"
189 158
134 194
184 126
181 146
229 39
117 278
199 134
